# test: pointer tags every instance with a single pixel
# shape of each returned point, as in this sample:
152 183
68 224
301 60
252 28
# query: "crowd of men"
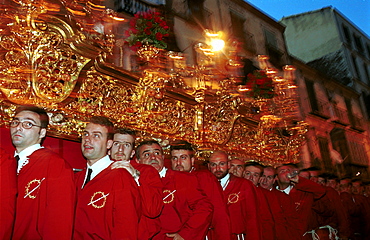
128 193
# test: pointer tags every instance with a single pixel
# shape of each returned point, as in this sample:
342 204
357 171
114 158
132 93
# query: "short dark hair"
254 164
146 142
44 118
182 145
104 121
127 131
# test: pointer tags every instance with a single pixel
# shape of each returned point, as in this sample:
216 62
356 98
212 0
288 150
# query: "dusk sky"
357 11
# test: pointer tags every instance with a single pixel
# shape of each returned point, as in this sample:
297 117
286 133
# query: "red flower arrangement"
147 28
260 85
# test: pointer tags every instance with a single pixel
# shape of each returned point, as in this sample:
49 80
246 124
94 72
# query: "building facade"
331 44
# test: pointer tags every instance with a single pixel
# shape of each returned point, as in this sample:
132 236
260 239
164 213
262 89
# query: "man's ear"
192 161
228 165
132 154
42 133
109 143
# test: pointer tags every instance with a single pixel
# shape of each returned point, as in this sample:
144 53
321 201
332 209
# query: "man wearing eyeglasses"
46 190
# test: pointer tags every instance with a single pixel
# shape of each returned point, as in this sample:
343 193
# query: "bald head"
218 164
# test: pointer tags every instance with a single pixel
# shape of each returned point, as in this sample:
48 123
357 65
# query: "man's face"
151 155
268 178
321 181
357 188
236 167
282 173
123 147
253 174
332 183
95 142
23 138
218 165
181 160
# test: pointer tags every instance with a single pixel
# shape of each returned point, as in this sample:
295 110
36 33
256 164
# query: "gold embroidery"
99 196
233 198
168 193
35 184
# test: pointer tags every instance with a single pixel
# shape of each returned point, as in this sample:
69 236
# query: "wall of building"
311 35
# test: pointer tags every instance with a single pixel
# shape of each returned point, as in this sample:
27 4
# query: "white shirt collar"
163 172
225 181
99 166
286 190
24 154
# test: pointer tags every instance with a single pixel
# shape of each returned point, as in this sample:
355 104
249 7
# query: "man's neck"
283 186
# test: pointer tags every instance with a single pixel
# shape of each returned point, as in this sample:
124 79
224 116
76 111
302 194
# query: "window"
368 50
312 95
349 111
196 11
354 62
347 35
358 44
270 38
237 26
325 154
366 73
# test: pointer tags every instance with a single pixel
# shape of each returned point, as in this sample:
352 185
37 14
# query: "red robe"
46 198
303 195
220 224
8 193
108 207
339 219
350 209
186 210
151 193
265 215
240 196
284 215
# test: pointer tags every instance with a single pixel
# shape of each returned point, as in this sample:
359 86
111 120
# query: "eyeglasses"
25 124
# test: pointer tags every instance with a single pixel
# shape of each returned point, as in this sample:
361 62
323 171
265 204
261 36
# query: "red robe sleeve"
126 208
151 190
151 194
8 192
201 210
220 225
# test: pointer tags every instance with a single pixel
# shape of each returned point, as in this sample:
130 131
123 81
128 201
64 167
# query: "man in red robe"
253 172
240 197
303 193
182 159
147 178
281 206
108 201
46 191
187 212
8 193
